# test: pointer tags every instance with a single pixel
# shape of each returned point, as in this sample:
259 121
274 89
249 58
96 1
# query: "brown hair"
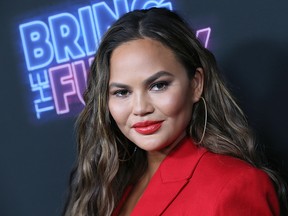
102 173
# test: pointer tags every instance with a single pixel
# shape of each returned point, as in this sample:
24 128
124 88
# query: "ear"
197 84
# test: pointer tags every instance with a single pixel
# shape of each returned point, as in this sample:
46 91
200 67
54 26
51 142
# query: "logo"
59 48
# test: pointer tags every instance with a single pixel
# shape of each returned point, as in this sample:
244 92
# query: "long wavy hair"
106 164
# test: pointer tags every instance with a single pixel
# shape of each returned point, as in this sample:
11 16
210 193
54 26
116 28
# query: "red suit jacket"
193 181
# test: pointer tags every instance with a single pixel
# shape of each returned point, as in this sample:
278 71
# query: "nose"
142 104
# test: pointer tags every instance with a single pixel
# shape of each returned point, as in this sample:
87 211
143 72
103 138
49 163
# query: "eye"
121 93
159 86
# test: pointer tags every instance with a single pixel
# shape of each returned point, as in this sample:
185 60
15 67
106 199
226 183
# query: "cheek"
175 104
118 112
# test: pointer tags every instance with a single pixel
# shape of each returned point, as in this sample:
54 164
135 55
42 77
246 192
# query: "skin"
148 83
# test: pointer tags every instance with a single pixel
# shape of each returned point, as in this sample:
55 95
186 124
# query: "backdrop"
47 46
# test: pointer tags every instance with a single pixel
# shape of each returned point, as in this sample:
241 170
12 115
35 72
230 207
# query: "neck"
156 157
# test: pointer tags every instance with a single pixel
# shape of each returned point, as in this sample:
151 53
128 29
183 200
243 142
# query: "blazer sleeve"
250 193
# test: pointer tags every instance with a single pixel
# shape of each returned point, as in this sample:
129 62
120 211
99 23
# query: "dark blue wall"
250 41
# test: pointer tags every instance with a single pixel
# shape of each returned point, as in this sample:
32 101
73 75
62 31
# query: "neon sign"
58 53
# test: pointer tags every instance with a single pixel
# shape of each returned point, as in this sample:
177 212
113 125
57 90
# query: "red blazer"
193 181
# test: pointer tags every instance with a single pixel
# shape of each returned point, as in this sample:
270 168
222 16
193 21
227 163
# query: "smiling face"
150 95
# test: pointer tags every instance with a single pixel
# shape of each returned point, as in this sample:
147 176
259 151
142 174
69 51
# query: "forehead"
142 56
140 47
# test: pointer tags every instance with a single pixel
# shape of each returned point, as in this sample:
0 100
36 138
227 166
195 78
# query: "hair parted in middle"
102 173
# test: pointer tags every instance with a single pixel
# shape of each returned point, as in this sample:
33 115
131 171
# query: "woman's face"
150 95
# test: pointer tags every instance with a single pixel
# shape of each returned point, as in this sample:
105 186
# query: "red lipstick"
147 127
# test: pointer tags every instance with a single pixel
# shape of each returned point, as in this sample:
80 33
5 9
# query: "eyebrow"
156 76
146 82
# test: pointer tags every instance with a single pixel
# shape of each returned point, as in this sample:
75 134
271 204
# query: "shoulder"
227 171
228 166
236 185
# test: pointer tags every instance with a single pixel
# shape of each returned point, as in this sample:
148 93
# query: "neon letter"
63 86
37 48
204 35
88 29
80 76
65 33
104 16
136 4
40 84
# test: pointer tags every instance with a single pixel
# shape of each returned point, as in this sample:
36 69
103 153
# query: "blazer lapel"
172 175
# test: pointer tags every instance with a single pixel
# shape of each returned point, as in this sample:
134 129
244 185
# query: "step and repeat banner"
47 47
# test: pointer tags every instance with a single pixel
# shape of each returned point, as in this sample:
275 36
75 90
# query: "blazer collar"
172 175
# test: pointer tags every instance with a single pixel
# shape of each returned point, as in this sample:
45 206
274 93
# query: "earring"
205 120
130 157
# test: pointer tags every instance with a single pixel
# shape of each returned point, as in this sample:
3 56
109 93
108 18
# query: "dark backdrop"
249 40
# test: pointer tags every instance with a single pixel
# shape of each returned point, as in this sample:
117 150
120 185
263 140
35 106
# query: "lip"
147 127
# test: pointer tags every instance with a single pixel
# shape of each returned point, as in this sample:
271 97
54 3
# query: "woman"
160 133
